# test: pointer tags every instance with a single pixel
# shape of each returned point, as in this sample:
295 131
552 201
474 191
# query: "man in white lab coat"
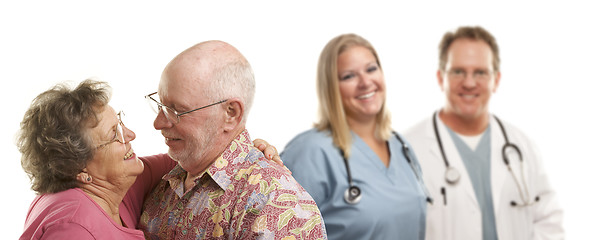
461 149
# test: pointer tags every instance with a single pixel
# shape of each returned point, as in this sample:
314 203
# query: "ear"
234 112
496 81
84 177
440 78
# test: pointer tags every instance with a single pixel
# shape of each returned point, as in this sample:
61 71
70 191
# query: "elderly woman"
361 174
77 152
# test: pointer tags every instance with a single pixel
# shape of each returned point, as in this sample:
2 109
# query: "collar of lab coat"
498 168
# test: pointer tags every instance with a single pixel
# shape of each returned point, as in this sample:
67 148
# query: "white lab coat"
460 218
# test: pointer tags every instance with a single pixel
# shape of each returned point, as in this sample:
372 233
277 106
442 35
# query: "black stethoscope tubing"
353 194
452 175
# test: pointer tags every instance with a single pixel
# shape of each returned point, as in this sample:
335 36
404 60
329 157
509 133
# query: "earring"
89 178
84 177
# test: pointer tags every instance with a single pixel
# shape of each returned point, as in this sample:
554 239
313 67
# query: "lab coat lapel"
498 168
455 161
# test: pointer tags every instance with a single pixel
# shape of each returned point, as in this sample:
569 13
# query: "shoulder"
515 134
305 143
257 168
311 147
248 168
71 214
254 168
60 210
263 182
312 137
65 204
78 206
419 130
269 180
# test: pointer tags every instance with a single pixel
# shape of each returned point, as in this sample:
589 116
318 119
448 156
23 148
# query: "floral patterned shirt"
240 196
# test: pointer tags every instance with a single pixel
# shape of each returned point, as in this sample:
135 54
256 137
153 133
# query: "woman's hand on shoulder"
270 152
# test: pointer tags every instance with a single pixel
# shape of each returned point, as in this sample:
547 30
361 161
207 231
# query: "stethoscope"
353 194
452 175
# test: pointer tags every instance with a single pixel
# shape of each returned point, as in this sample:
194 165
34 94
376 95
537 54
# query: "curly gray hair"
54 139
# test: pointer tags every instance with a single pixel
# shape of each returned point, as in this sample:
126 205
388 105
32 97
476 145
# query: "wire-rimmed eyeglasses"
172 115
460 74
119 133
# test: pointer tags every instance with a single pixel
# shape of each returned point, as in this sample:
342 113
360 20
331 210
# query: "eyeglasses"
172 115
459 74
119 135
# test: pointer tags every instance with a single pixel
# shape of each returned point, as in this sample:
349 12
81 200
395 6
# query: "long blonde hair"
331 111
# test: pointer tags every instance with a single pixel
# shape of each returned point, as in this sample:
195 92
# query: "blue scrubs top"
393 203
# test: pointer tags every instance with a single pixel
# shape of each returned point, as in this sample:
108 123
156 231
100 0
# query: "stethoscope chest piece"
353 195
452 175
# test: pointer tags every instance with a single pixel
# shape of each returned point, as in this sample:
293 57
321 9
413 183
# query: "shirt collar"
222 169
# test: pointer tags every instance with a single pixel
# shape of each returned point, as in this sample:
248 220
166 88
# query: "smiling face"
467 98
361 83
114 162
192 140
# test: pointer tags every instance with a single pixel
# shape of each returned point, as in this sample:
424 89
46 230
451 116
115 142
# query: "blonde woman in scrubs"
354 129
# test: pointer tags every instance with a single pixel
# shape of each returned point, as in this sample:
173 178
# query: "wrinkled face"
361 83
114 162
468 79
191 140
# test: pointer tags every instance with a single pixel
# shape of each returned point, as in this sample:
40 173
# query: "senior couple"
362 177
212 183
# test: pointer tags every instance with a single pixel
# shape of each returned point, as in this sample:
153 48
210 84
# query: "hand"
270 152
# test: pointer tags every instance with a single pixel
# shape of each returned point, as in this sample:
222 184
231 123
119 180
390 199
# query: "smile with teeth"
468 96
129 154
365 96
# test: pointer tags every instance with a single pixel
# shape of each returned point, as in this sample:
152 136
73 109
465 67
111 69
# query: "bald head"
207 56
213 70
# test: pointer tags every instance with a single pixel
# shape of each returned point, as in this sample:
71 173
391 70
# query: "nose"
129 135
365 80
469 81
161 121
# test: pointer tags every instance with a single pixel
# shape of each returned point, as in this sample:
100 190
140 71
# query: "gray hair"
54 136
233 79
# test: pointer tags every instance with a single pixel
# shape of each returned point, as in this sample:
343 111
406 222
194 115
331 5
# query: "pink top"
71 214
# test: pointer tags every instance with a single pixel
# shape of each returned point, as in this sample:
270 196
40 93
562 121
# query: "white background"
547 52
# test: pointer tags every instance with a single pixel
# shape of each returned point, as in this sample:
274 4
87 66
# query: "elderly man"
486 177
222 187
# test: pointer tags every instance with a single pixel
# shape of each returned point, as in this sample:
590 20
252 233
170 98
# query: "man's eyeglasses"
459 74
172 115
119 135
